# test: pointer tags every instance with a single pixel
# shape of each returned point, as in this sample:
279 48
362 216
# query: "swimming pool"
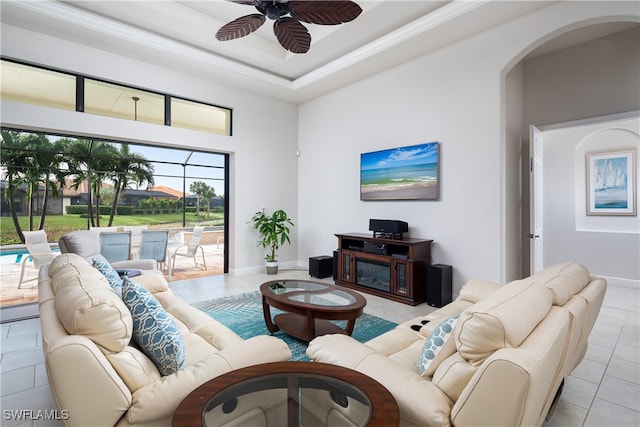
15 255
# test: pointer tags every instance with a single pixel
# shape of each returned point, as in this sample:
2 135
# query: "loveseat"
101 377
497 355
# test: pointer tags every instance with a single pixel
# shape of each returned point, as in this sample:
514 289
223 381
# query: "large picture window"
62 183
100 175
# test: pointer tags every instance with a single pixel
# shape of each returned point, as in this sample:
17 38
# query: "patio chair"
100 230
115 246
39 252
86 243
153 245
189 250
136 237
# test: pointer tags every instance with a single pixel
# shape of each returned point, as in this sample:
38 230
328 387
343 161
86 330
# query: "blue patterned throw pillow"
437 347
153 328
110 273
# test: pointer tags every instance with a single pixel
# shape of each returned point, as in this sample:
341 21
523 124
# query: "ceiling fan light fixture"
273 12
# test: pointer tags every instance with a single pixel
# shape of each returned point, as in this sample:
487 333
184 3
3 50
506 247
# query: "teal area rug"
243 315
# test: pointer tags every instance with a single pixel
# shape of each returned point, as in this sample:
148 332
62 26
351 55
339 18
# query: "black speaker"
439 278
321 266
335 265
388 228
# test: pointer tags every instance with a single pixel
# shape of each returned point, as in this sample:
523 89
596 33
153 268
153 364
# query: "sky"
403 156
212 177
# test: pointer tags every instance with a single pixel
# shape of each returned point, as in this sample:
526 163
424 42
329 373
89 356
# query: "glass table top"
288 399
312 293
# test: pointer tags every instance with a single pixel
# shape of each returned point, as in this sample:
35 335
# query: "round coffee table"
289 394
308 307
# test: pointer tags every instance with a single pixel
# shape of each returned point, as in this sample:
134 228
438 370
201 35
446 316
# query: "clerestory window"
30 84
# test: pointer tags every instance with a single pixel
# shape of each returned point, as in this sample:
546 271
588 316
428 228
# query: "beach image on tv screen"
405 173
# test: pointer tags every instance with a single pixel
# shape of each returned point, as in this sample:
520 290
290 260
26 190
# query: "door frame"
536 201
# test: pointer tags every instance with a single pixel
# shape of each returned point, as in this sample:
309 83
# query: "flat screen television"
404 173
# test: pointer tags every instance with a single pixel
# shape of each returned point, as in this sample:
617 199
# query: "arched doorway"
574 73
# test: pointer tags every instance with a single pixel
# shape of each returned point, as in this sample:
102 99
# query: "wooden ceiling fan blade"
246 2
241 27
292 35
325 12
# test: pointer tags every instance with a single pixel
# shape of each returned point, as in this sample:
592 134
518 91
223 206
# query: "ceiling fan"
287 15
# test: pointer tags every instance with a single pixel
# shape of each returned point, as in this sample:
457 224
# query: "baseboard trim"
13 313
621 282
258 269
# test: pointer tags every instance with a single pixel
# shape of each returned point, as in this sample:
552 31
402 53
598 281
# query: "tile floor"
604 390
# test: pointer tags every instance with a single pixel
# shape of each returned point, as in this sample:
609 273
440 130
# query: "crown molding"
419 26
56 11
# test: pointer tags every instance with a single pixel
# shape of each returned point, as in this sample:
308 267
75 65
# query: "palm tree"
104 166
79 151
30 160
129 168
47 158
208 194
90 161
14 159
202 191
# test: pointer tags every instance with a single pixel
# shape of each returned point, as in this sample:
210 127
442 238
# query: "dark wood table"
308 307
290 394
129 272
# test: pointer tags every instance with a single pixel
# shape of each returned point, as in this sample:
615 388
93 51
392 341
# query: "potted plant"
274 232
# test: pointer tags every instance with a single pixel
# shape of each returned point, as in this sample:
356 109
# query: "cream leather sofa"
507 356
99 375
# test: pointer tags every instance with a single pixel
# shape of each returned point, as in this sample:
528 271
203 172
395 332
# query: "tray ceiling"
179 34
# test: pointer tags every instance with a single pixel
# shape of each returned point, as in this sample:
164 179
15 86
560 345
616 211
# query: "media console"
391 268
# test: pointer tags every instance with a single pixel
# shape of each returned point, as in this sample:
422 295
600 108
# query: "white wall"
514 158
263 145
608 67
609 245
452 96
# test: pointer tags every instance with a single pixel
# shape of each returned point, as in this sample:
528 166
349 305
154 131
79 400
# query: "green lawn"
57 225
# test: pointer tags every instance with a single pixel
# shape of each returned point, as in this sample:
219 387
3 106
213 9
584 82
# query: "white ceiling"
179 34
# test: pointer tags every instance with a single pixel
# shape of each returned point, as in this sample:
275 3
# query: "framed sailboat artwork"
611 183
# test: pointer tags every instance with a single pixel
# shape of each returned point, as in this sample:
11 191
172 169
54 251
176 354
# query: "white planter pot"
272 267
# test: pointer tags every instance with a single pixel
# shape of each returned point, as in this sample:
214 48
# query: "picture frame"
611 183
402 173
